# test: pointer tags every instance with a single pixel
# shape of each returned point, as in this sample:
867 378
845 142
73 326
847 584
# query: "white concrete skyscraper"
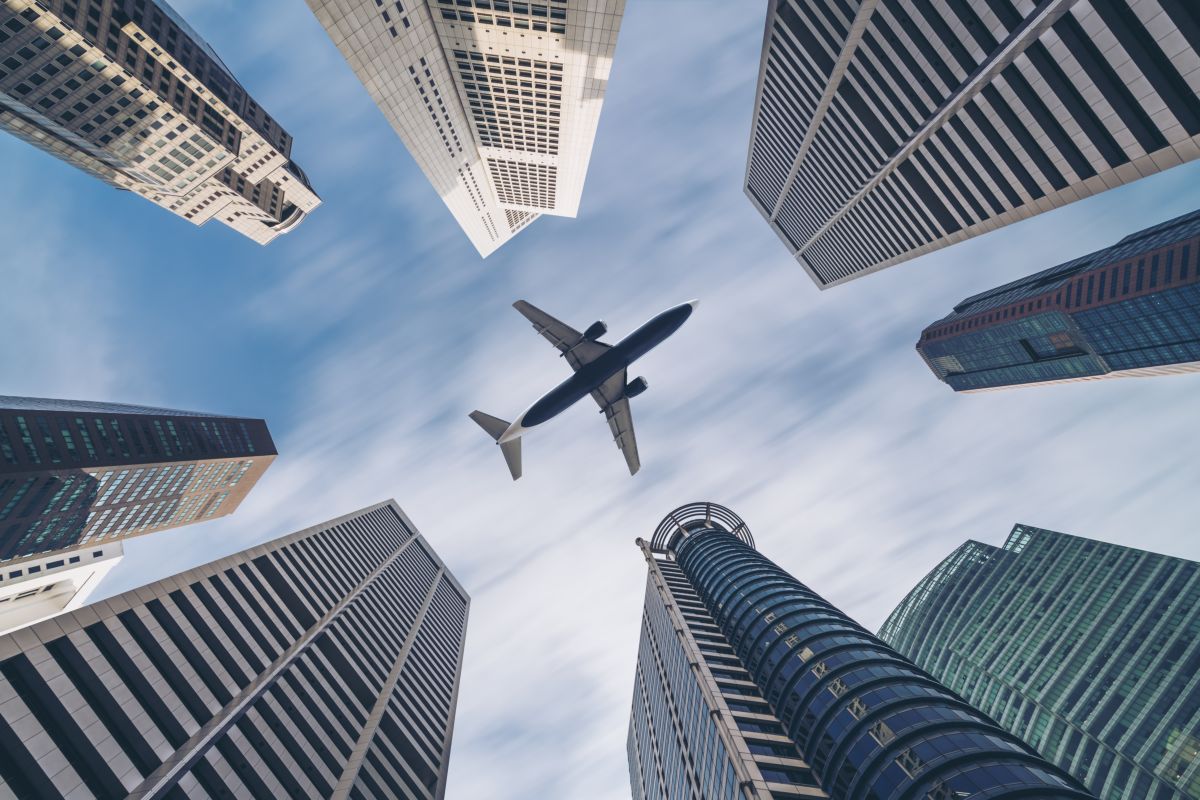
497 100
126 91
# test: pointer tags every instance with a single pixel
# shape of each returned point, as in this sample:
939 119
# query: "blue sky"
365 337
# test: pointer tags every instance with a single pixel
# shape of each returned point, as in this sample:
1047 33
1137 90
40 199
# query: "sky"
366 335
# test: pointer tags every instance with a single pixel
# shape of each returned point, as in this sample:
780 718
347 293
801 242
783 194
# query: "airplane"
600 370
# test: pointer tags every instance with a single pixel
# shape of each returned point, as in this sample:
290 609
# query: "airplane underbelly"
556 401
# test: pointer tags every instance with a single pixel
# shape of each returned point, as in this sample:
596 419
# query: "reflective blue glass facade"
699 726
1130 309
1088 651
871 725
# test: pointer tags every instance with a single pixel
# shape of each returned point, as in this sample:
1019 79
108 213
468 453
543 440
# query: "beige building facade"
126 91
497 101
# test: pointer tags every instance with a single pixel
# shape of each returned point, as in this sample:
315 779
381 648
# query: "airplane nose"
693 304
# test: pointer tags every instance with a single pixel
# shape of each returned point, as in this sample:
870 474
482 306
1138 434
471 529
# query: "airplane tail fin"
496 428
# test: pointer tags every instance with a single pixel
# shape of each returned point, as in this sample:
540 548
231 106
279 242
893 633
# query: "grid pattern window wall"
515 102
885 129
1089 651
870 724
327 660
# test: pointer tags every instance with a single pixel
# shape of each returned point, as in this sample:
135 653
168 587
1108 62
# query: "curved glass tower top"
871 725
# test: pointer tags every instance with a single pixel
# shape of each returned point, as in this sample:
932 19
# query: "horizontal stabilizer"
493 425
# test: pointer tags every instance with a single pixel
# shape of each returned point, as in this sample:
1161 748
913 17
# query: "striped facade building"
496 100
75 472
751 687
126 91
1128 310
885 129
321 665
1088 651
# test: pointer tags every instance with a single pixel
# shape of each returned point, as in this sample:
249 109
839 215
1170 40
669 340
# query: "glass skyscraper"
74 472
324 664
1088 651
1132 309
751 687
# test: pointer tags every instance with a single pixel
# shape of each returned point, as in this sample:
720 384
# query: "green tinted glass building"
1088 651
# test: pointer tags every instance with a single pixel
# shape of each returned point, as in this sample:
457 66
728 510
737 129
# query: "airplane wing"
569 342
615 405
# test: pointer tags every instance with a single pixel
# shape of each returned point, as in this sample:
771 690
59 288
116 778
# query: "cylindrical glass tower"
871 724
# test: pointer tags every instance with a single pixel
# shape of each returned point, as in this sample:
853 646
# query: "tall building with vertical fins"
497 100
885 129
323 664
1088 651
75 473
751 687
1128 310
126 91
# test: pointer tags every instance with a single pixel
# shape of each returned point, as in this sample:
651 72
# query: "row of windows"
1153 271
37 439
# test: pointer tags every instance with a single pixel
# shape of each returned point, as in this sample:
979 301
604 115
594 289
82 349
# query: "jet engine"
636 386
595 330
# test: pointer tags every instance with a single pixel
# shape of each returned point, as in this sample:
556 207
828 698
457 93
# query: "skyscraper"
751 687
1128 310
322 664
76 472
1088 651
885 129
497 100
128 92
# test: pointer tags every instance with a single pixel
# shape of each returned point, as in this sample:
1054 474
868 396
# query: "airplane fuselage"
591 376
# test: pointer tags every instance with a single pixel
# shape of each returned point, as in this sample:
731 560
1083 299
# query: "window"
910 762
857 708
882 734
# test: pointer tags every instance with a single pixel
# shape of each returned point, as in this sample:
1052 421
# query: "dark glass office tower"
1132 309
75 472
1088 651
884 129
751 687
322 664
